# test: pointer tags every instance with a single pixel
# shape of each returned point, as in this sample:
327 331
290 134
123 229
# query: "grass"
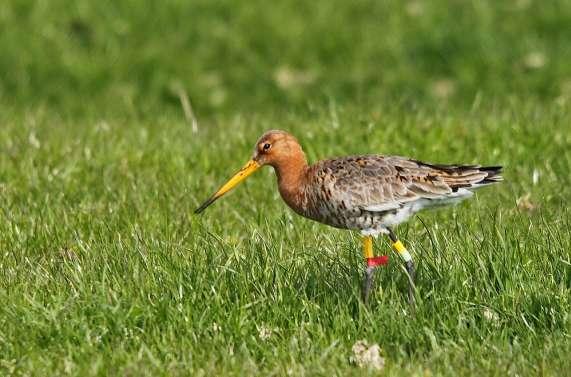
104 270
244 56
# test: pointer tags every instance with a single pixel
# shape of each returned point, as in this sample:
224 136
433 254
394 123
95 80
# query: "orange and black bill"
242 174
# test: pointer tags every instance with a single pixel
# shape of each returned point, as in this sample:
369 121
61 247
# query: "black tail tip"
494 174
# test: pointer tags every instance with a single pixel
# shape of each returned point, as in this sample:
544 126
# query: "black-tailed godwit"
369 193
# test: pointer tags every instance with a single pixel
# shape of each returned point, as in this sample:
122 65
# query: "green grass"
104 270
236 56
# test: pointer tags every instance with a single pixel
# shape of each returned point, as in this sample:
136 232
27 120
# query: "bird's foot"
409 265
372 264
367 283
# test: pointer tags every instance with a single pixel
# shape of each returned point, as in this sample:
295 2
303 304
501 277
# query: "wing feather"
385 183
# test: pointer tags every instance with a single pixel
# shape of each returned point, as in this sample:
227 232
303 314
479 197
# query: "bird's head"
275 148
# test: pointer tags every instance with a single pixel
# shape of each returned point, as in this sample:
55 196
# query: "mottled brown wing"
383 183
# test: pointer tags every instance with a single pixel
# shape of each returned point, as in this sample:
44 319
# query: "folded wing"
387 183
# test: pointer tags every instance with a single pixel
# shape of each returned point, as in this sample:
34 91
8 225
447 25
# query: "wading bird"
369 193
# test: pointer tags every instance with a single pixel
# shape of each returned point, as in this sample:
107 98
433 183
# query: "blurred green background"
253 56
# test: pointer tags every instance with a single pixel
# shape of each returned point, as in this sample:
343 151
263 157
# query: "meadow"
105 270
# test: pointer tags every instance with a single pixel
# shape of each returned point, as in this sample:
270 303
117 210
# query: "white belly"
400 215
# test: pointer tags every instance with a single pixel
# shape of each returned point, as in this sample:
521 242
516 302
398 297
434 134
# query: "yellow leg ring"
368 247
403 252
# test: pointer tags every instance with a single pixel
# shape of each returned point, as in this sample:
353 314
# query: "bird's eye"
267 146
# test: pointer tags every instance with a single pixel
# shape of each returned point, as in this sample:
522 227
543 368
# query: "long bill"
250 167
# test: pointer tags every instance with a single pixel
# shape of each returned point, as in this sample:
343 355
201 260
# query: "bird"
371 193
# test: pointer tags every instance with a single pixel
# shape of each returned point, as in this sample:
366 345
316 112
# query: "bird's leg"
408 263
368 281
372 263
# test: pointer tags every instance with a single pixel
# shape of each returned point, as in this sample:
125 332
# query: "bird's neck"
291 174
